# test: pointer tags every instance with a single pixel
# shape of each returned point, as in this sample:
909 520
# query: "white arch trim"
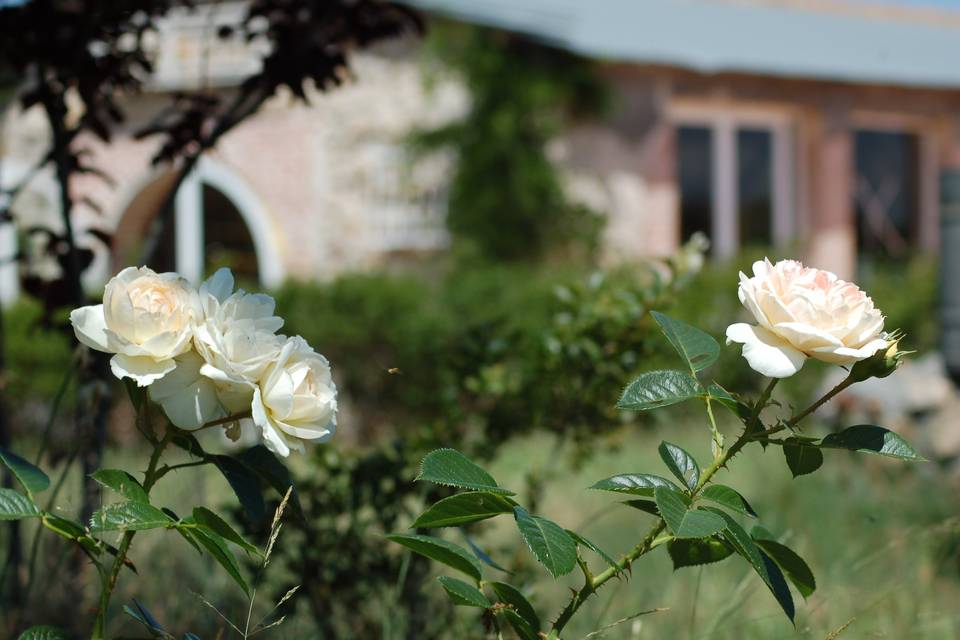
189 212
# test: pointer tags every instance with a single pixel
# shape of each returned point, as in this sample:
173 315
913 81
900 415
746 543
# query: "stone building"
821 127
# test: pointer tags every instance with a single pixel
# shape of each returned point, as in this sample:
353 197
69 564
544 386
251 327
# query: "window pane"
695 168
227 241
886 193
754 185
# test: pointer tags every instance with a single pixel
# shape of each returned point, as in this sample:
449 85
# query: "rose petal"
90 327
765 352
848 355
188 398
143 370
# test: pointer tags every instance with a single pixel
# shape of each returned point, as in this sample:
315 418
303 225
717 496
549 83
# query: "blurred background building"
821 128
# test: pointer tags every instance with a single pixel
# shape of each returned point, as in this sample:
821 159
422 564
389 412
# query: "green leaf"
508 594
63 527
682 521
583 542
43 632
451 468
550 544
648 506
768 571
638 484
739 408
272 471
463 508
868 438
802 457
521 626
681 464
482 555
658 389
206 518
696 347
147 619
440 550
32 478
463 594
793 566
245 484
121 482
729 498
690 553
15 505
128 516
217 547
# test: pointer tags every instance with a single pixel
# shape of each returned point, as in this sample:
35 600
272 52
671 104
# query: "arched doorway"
217 222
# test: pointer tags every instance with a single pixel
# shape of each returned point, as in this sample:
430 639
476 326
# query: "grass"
881 537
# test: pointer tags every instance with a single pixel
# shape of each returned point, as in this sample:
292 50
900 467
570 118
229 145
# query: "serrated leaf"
793 566
680 463
682 521
218 549
729 498
440 550
696 347
463 594
739 408
868 438
690 553
802 458
122 483
638 484
43 632
128 516
658 389
451 468
30 476
768 571
206 518
462 508
14 505
583 542
510 595
550 544
245 484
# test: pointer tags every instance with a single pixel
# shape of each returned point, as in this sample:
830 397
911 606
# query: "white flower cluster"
211 353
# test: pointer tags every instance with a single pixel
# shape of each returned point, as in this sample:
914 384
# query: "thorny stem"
846 382
110 579
651 540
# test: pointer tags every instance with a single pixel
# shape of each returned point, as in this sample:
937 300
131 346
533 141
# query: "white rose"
296 400
804 313
237 337
146 319
188 397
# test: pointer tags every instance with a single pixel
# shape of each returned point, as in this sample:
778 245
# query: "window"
886 193
735 179
217 222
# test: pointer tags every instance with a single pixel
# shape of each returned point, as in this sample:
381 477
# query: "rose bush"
211 354
804 313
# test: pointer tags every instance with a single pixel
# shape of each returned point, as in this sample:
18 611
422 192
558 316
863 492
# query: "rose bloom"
296 400
804 313
146 320
237 337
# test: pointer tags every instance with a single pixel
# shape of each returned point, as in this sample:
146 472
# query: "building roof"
818 39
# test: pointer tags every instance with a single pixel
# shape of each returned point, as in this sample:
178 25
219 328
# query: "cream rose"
296 400
237 337
804 313
146 320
